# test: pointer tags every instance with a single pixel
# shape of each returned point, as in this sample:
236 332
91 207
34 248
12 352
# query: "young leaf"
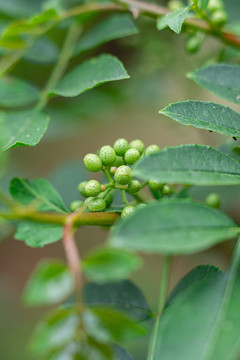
16 92
23 128
204 315
106 264
89 74
123 295
109 325
57 330
174 19
112 27
205 115
189 164
221 79
50 283
173 226
38 235
39 193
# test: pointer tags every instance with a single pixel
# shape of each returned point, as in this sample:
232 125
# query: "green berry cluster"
115 162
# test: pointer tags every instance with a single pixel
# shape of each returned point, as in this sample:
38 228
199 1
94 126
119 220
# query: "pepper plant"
97 309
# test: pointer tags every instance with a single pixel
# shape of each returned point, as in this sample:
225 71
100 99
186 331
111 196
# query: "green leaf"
221 79
39 193
106 264
50 283
56 331
16 92
44 51
203 4
123 295
173 226
109 325
174 19
121 354
89 74
205 115
23 128
19 8
205 315
189 164
38 235
112 27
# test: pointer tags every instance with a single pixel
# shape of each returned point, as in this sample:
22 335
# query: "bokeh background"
157 63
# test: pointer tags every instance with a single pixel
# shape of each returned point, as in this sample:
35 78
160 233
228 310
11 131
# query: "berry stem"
108 175
124 197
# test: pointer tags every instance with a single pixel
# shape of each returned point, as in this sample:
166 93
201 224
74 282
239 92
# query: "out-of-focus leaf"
203 4
89 74
39 193
44 51
173 226
25 127
16 92
56 331
221 79
38 235
189 164
50 283
113 27
109 325
107 264
204 314
121 354
123 295
205 115
20 8
174 19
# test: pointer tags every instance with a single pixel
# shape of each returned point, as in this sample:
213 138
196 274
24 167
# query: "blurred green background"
157 63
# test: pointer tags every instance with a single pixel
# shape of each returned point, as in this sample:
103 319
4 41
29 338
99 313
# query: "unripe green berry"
215 5
75 205
155 185
119 161
193 43
93 162
175 5
107 155
138 145
113 170
213 200
141 206
108 199
81 188
219 17
131 156
128 210
96 204
86 202
166 190
123 175
121 146
152 149
93 188
134 186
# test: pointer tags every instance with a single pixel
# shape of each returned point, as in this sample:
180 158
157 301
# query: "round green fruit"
219 17
96 204
131 156
134 186
152 149
213 200
108 199
93 162
93 188
121 146
166 190
107 155
138 145
123 175
75 205
128 210
119 161
81 188
155 185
